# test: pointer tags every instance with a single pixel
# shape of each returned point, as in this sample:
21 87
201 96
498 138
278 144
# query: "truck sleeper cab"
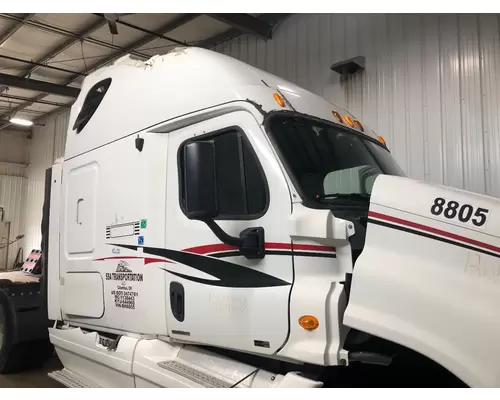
210 232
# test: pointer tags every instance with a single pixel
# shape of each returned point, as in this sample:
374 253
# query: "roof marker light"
349 121
382 140
337 115
358 124
279 99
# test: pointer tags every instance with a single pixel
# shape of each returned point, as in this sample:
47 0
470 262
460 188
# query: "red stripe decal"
210 248
147 260
312 247
215 248
434 230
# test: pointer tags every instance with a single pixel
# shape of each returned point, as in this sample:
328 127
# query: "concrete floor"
33 379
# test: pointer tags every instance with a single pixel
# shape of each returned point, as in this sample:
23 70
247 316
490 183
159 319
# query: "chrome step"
199 377
70 379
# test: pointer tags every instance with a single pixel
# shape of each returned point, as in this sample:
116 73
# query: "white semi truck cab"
213 225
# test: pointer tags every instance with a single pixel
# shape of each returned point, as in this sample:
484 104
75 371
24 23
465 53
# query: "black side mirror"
200 192
200 196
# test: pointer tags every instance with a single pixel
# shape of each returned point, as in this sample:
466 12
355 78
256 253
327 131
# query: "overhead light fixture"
20 121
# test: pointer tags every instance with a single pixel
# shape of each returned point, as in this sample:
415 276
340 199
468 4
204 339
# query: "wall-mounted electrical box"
350 66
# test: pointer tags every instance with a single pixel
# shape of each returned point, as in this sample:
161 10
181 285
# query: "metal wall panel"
14 156
13 169
12 199
431 84
14 147
47 145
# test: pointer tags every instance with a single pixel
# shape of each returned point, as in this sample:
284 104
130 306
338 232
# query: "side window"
90 104
241 187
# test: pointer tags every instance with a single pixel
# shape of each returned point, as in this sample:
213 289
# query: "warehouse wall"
47 145
14 149
14 155
12 199
431 84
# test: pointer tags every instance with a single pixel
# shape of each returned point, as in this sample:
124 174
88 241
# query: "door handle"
79 201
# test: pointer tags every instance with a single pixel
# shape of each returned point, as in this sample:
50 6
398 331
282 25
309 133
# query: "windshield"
328 161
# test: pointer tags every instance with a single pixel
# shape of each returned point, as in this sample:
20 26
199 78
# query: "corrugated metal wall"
431 85
47 145
13 169
14 147
12 199
14 156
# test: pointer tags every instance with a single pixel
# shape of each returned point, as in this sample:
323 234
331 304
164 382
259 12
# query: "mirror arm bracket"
251 242
221 235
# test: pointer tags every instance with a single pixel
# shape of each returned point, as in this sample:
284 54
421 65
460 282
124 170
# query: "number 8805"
465 212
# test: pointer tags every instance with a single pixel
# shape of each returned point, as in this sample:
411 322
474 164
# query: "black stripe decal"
295 253
430 236
228 274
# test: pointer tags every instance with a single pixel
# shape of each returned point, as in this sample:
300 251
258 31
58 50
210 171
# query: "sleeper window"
91 103
241 187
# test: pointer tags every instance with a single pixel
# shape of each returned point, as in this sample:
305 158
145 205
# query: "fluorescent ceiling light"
20 121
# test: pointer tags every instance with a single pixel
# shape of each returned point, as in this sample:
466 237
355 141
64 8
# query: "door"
113 202
216 296
82 288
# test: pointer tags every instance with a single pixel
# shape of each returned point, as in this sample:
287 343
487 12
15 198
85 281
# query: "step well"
70 379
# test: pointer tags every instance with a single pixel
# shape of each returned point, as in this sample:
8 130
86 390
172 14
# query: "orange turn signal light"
382 140
279 99
349 121
337 115
308 322
358 124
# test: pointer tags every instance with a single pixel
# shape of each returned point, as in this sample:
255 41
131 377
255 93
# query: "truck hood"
428 277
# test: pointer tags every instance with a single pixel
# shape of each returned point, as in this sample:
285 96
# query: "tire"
17 357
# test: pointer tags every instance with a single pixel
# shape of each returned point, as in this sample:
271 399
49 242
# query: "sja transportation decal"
124 294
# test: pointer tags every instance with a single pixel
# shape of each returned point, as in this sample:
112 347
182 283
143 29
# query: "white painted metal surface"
431 85
428 276
149 363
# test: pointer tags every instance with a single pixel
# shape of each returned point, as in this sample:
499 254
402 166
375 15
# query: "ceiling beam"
36 65
20 98
144 30
232 33
245 23
85 33
41 62
141 42
15 28
64 32
38 86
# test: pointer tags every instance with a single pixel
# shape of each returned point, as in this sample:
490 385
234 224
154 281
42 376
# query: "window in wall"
241 187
